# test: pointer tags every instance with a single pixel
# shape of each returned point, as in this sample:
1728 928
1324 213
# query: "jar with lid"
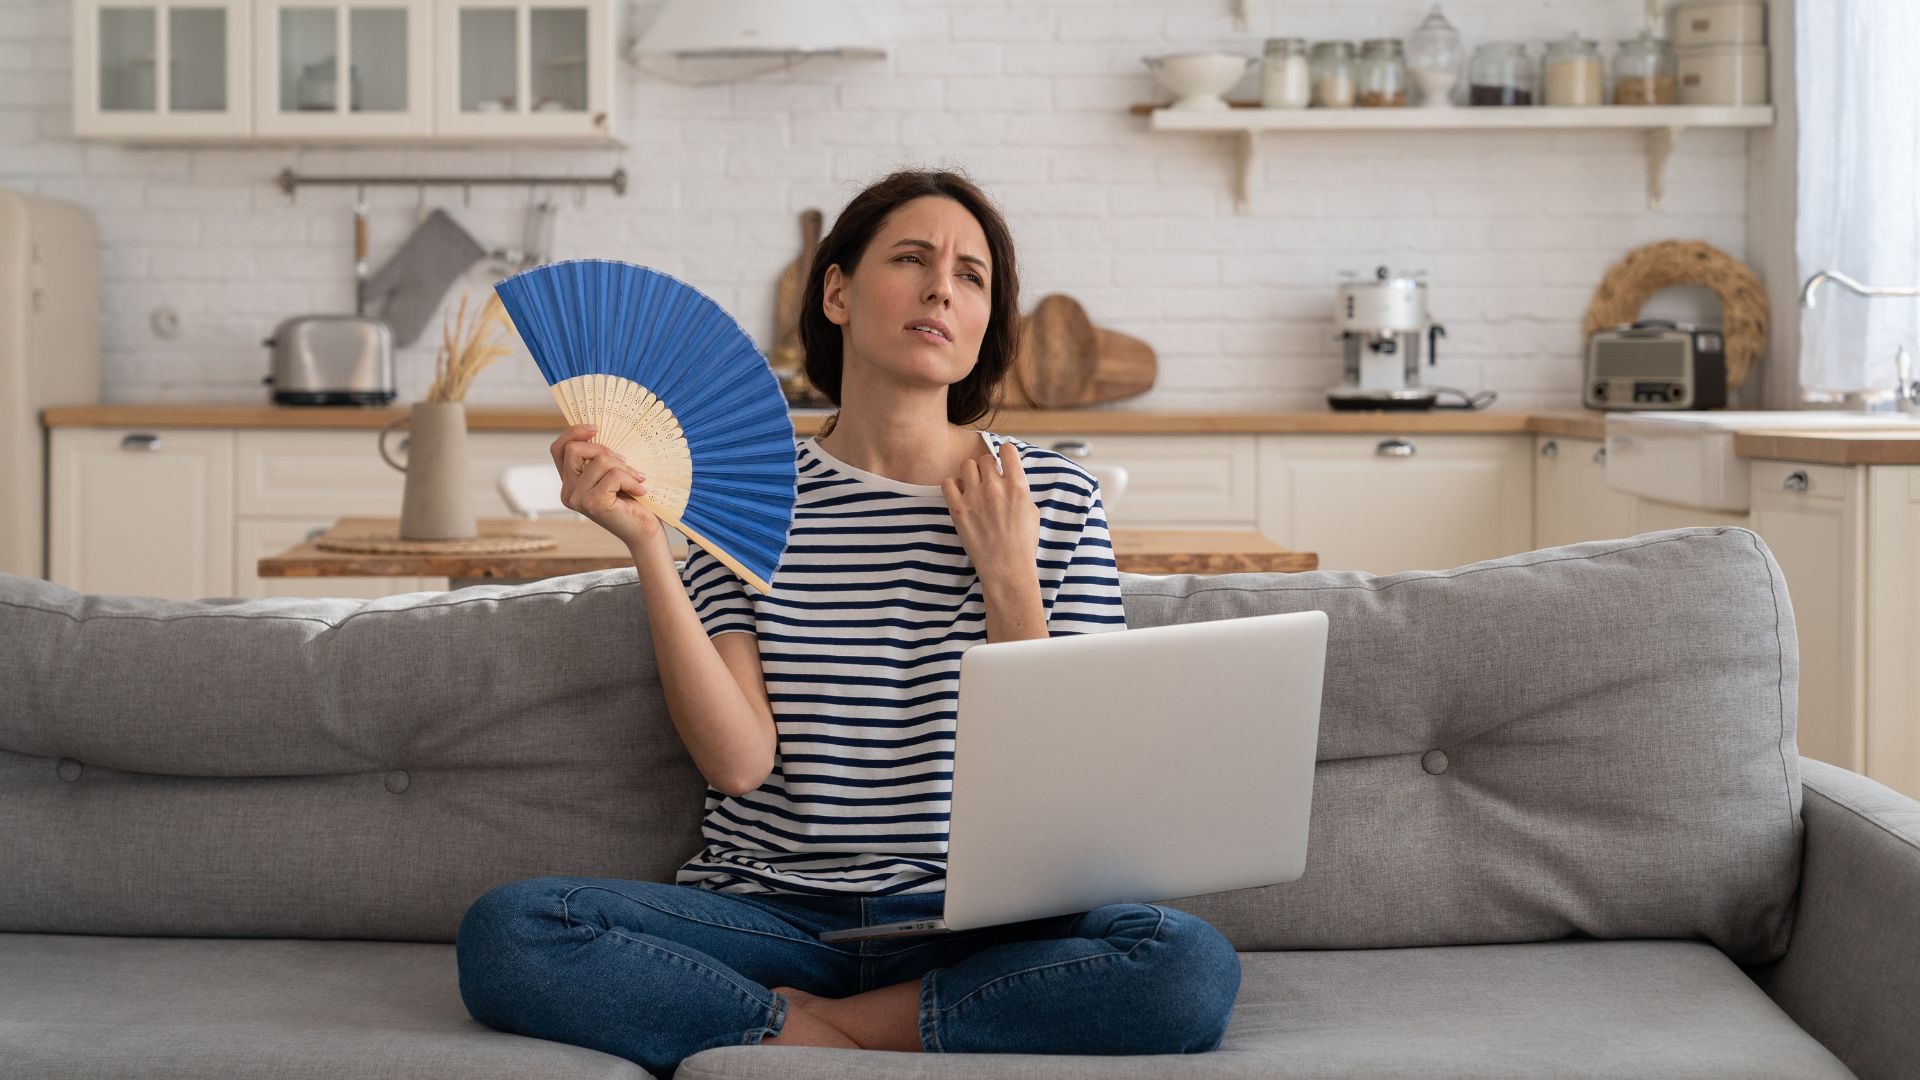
1332 67
1383 73
1644 71
1433 59
1573 73
1284 79
1501 73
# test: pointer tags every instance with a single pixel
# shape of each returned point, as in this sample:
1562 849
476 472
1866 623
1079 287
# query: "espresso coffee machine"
1383 325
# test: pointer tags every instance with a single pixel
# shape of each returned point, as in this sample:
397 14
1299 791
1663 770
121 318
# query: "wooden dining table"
581 546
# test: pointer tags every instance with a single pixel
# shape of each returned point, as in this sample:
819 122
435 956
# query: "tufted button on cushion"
1434 761
397 781
68 770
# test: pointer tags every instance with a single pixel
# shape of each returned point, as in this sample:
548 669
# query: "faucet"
1821 277
1906 393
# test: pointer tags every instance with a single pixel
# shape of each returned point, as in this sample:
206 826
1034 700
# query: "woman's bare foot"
804 1026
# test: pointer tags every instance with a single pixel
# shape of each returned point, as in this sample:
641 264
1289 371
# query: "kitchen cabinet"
143 512
332 68
1892 595
1173 481
1390 503
1813 519
1652 515
187 513
524 67
419 71
1571 500
161 69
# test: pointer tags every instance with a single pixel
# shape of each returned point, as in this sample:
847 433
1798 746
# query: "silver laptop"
1127 767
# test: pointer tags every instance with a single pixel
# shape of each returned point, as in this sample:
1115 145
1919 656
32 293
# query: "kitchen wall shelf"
1662 124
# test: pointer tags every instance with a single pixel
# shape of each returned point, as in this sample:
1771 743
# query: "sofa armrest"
1851 973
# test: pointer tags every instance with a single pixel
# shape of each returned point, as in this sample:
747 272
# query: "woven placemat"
392 544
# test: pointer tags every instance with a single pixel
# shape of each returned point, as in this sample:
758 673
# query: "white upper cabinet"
329 69
161 69
524 68
345 70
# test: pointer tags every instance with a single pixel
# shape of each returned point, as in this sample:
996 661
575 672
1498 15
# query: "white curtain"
1858 85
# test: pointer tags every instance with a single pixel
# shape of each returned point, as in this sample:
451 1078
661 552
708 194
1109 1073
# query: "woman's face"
928 261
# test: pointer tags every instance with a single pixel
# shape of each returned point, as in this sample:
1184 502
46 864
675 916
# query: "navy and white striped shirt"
873 603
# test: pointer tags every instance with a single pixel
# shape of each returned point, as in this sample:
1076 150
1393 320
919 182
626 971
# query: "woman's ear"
833 300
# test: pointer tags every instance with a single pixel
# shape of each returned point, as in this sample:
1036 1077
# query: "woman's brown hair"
971 398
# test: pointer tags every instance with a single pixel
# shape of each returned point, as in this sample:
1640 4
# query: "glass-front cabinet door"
327 68
160 68
525 67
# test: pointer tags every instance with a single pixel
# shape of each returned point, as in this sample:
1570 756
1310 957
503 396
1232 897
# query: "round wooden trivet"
392 544
1647 270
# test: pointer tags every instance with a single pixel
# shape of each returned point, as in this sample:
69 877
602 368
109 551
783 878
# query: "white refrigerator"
49 354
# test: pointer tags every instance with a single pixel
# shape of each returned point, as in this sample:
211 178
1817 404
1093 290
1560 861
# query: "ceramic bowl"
1198 79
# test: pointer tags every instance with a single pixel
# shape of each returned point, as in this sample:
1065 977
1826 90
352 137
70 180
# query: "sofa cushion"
156 1008
1592 739
1585 1009
99 1007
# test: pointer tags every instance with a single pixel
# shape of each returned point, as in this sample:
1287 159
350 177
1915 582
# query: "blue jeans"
654 972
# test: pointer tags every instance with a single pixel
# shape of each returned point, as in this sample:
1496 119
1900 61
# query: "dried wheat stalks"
463 354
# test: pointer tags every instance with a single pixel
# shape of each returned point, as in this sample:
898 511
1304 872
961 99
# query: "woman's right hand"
599 483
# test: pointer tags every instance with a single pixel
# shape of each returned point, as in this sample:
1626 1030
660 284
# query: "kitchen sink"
1687 458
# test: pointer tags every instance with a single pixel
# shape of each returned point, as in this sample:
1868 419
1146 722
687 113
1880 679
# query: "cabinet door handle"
1073 448
140 441
1394 448
1549 449
1796 480
1600 456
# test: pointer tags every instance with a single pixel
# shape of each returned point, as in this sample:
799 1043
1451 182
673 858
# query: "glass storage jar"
1501 73
1573 73
1383 73
1434 53
1644 71
1284 80
1333 74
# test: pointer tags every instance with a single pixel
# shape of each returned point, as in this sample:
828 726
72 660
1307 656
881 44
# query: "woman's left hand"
995 515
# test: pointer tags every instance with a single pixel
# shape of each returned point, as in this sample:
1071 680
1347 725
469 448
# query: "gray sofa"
1559 830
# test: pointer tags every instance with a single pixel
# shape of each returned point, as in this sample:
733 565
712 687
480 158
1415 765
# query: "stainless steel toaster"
1655 364
331 360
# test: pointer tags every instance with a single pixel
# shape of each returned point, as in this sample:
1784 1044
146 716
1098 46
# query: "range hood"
754 29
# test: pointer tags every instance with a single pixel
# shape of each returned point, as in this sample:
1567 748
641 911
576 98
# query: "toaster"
1655 364
331 360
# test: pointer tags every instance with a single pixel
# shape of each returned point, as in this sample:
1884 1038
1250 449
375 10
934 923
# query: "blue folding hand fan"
675 387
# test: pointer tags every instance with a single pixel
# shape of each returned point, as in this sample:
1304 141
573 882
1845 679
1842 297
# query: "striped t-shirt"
873 602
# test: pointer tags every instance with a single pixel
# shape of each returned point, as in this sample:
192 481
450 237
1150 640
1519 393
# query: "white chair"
532 490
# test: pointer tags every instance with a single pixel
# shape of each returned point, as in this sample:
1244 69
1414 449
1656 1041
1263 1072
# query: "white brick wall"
1030 97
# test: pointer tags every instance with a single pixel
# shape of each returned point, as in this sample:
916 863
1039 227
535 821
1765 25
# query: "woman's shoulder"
1045 465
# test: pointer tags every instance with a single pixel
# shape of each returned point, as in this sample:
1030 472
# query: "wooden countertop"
1575 422
1830 447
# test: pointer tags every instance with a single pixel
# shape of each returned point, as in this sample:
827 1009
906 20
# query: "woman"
822 713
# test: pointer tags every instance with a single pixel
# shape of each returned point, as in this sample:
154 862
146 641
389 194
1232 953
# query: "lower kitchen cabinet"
1892 597
1652 515
1571 500
147 513
1173 481
1389 503
1846 539
1813 519
188 512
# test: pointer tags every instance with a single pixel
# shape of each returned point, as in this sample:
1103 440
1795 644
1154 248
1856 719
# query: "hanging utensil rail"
290 181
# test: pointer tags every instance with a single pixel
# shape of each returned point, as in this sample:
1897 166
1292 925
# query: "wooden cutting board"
787 354
1066 361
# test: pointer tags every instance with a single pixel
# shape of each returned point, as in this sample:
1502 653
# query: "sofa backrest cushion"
1588 740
